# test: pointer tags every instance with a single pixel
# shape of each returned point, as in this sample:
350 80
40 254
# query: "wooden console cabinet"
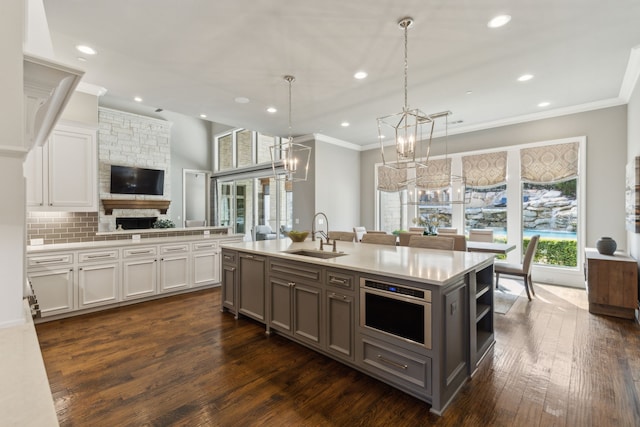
612 284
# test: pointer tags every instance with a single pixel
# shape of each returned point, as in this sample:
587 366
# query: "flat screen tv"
131 180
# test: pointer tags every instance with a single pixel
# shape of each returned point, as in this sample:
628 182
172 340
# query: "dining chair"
447 230
380 239
404 237
343 236
376 232
521 270
481 235
360 231
417 229
459 241
431 242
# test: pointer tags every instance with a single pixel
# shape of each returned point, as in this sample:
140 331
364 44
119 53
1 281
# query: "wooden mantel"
111 204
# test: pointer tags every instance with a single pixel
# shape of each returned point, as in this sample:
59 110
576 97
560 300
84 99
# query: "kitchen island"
417 319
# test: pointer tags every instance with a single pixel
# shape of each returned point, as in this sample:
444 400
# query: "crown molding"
631 75
548 114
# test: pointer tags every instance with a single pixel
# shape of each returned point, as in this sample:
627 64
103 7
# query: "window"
242 148
545 179
249 200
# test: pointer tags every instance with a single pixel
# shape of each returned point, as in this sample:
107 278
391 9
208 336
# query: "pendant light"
290 160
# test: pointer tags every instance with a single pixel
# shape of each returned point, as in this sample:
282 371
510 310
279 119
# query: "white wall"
633 150
606 132
338 185
332 185
12 185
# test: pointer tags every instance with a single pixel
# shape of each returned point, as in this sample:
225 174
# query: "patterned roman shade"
485 170
436 175
392 179
550 163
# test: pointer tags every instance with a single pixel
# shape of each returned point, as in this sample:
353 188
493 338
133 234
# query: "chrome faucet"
313 227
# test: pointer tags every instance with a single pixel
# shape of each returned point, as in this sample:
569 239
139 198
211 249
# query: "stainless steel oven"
398 310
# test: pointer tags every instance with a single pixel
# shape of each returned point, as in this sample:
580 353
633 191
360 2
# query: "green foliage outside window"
561 252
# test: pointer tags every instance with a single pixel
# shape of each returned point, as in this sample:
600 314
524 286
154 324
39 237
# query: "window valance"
485 170
392 179
550 163
435 175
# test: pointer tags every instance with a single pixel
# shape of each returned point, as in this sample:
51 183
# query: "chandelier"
429 182
406 126
290 160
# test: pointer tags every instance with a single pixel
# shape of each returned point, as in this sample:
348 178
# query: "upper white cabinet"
62 174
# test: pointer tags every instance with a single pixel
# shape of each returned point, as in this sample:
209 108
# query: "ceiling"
196 57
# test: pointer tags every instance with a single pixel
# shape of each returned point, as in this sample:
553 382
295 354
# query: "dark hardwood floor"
179 361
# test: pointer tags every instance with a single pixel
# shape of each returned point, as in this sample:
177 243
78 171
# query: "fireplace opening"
136 223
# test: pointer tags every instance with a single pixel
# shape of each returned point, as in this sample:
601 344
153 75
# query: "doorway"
257 206
195 197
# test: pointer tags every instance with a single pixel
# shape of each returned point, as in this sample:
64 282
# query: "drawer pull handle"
338 281
227 257
45 261
140 252
174 249
392 363
99 256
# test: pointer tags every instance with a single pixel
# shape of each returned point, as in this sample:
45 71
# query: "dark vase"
606 246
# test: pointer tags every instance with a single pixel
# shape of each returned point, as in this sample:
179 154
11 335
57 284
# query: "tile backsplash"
72 227
62 227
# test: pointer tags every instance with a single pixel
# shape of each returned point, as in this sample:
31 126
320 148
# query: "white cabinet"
52 278
62 174
98 278
174 267
139 272
205 268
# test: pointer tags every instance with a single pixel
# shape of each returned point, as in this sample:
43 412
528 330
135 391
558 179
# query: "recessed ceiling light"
469 92
88 50
203 116
525 77
544 104
344 124
137 99
381 136
242 100
272 110
499 21
360 75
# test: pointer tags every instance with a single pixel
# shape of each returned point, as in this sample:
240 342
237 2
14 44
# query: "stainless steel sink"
315 253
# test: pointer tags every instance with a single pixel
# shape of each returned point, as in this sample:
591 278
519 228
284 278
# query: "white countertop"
25 395
436 267
129 242
162 230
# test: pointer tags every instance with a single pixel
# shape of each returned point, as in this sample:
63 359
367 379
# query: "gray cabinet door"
229 287
280 304
340 324
307 302
251 284
455 334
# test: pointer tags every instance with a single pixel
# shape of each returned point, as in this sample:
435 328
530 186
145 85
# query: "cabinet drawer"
174 249
339 279
293 270
139 252
229 257
94 256
204 246
47 260
398 365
